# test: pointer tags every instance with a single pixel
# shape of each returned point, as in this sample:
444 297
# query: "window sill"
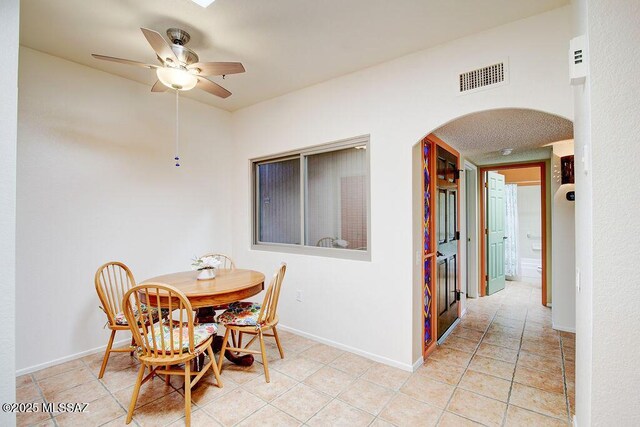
350 254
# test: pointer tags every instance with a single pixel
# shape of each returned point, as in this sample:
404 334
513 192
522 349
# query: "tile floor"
502 365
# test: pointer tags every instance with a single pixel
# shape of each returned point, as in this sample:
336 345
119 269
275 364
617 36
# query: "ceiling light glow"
203 3
176 78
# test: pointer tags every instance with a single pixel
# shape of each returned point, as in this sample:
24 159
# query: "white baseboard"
418 363
563 328
371 356
574 421
40 366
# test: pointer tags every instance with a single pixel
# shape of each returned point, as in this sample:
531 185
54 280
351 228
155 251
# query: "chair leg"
222 350
233 339
133 343
187 394
264 356
106 354
167 377
214 366
136 390
239 339
275 335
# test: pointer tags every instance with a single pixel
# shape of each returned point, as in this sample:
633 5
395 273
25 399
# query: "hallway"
504 356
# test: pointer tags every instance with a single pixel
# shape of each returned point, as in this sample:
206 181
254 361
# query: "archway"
479 137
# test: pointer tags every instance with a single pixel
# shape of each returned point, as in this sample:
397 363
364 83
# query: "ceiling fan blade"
160 46
123 61
213 88
217 68
158 86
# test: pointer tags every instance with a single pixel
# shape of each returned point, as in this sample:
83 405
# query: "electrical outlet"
299 295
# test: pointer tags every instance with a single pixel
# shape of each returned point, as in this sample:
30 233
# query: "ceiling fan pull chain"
177 157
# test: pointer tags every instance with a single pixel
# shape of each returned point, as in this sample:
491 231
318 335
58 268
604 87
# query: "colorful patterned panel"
426 164
427 302
426 157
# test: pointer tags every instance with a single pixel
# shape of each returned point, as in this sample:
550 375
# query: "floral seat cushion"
201 333
241 314
121 320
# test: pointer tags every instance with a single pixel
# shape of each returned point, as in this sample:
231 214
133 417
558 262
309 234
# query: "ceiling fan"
180 69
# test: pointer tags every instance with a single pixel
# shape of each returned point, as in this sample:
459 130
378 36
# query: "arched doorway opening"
477 141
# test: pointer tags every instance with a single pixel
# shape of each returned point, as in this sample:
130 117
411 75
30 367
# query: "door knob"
505 238
438 253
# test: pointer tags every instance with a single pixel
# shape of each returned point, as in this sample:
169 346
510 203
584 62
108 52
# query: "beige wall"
397 104
607 158
96 182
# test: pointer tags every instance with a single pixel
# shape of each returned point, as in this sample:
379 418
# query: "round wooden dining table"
228 286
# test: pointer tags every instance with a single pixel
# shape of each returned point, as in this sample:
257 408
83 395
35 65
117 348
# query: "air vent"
578 60
483 77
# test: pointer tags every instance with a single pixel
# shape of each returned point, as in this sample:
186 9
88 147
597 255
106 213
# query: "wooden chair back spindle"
269 308
152 340
326 242
112 281
227 262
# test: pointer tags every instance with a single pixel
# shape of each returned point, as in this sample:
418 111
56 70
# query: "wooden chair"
326 242
227 262
112 281
169 343
254 319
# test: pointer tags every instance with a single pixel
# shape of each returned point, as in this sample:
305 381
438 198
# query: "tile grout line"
109 392
564 379
269 403
336 397
41 393
466 368
513 377
517 358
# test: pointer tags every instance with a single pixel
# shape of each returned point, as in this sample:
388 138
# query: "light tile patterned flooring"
502 365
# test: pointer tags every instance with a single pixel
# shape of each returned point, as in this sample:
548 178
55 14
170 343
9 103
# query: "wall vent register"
482 77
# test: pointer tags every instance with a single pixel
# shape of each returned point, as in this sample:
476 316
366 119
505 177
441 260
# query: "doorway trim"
429 147
542 165
471 229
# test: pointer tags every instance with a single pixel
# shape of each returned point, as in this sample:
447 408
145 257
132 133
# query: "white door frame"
471 222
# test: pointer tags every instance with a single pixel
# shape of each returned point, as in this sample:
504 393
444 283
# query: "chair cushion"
201 333
122 320
241 314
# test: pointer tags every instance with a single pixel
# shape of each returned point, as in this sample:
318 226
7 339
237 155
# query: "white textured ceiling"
285 45
481 136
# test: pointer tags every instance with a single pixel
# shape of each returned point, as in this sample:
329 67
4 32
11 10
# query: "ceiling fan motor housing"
185 55
179 38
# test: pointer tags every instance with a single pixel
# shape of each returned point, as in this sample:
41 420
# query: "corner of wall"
10 13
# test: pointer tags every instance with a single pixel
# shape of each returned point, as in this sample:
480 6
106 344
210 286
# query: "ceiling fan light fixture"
176 78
